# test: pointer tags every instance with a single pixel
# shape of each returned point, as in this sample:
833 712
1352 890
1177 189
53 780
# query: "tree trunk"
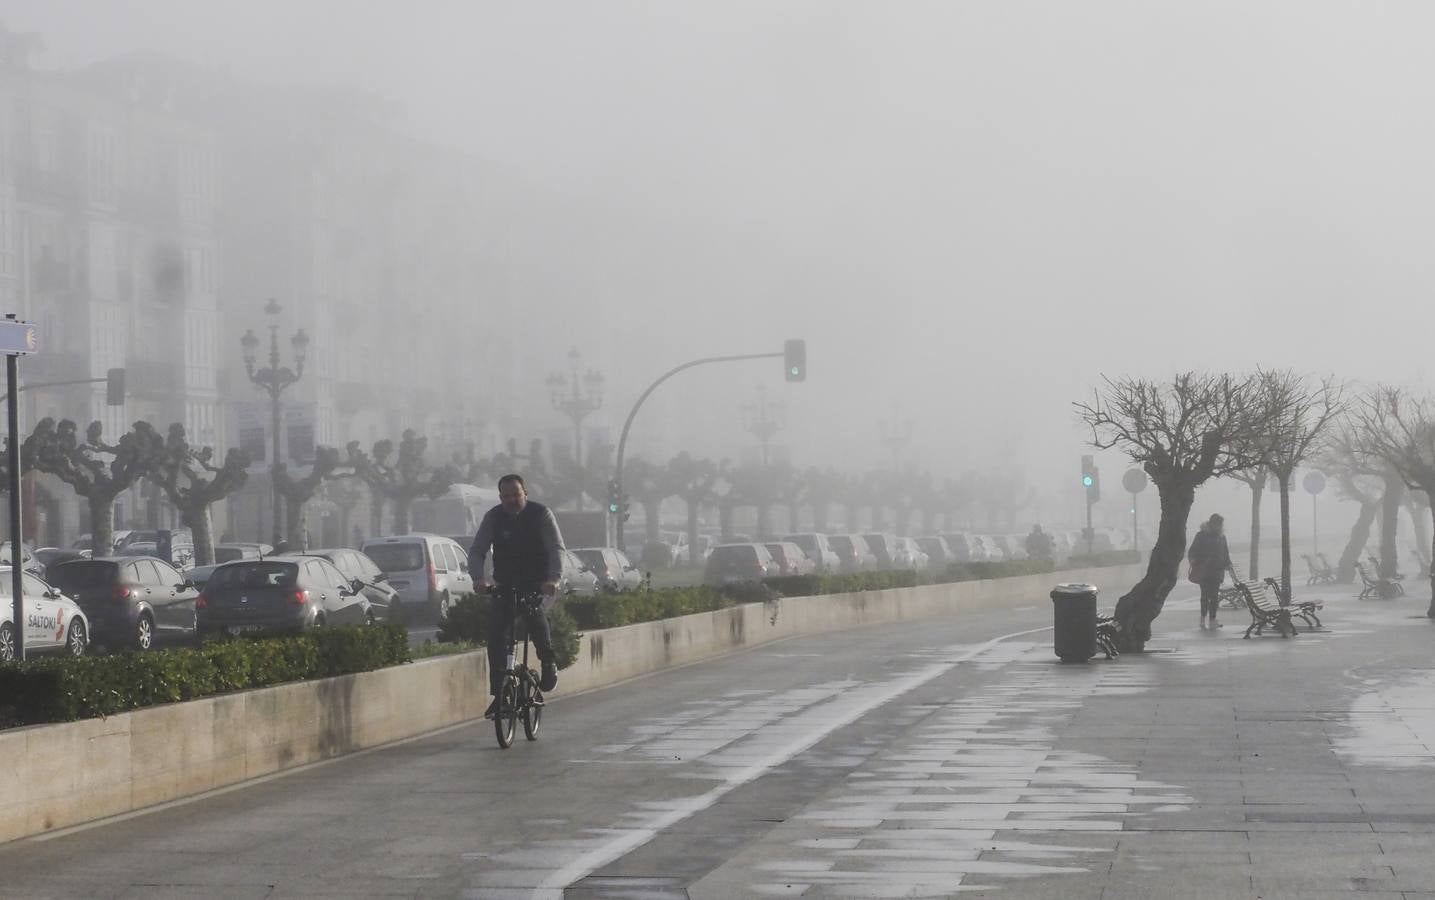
201 527
1355 544
725 520
1430 611
1257 490
792 517
102 525
904 521
1286 535
764 521
652 518
293 519
1139 606
852 514
1390 526
376 513
401 514
1422 536
819 516
693 545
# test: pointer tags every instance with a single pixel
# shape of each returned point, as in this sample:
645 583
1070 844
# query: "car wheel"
144 633
370 618
7 643
319 621
441 606
77 641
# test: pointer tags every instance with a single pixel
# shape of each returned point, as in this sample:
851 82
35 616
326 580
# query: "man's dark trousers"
500 617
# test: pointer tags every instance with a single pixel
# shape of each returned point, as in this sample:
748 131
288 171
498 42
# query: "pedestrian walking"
1209 559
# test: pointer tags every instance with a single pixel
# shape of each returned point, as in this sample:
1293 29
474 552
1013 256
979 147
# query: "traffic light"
615 504
115 387
794 360
623 509
1090 479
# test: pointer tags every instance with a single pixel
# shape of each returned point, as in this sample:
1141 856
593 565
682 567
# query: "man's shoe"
492 709
1215 624
1203 623
549 681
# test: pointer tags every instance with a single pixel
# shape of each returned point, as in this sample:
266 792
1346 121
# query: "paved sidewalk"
1210 767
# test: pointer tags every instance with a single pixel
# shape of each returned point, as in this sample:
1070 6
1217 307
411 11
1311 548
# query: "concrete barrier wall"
66 774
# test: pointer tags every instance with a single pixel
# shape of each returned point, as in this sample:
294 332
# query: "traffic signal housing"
115 387
615 504
1091 479
794 360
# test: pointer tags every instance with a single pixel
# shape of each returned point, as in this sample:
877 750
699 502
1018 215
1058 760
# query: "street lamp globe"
272 308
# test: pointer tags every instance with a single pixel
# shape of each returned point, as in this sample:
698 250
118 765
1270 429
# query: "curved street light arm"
628 423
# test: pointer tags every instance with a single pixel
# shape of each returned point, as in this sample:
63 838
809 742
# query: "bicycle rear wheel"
505 723
532 711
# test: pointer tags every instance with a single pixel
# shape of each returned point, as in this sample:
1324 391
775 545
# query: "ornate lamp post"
273 379
576 397
762 420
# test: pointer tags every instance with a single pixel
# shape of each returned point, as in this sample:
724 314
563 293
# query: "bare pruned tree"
1359 478
1299 415
1398 427
1255 479
1182 433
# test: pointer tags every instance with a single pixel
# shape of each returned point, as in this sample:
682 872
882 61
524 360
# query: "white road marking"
857 702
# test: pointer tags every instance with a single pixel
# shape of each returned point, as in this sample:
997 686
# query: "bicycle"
518 695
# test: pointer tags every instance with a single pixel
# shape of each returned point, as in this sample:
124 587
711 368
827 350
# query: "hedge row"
467 621
58 689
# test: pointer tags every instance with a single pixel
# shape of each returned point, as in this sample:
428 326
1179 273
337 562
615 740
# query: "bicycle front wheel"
505 723
532 711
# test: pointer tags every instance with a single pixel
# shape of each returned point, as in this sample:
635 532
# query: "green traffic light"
1087 480
795 370
613 508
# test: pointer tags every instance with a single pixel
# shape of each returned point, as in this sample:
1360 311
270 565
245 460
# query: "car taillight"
433 578
299 598
120 592
201 602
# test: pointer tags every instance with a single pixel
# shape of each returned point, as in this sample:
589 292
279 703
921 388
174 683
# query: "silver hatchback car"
429 572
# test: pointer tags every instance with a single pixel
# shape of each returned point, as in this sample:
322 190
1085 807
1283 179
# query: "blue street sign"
18 337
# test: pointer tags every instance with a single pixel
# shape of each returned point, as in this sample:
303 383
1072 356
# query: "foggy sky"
969 210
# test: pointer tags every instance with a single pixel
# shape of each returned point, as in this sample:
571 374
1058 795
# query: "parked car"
883 546
576 578
615 572
28 561
738 564
1013 546
853 554
86 542
991 550
815 545
146 543
939 552
907 555
233 550
365 575
280 593
965 547
199 575
53 622
429 572
130 601
49 556
790 558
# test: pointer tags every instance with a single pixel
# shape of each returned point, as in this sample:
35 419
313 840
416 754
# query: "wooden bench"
1264 603
1373 586
1305 609
1320 573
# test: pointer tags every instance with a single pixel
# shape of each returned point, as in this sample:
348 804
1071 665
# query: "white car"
52 620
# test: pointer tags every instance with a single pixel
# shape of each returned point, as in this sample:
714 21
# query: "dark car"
939 552
883 546
53 556
615 572
853 554
746 563
281 593
365 574
131 601
236 550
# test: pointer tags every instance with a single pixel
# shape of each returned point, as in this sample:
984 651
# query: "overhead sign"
18 337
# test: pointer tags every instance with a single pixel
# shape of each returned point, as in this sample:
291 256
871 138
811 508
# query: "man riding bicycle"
526 561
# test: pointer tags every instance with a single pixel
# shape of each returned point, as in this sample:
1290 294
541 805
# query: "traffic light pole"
628 423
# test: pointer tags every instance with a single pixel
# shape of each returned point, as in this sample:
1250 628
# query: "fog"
970 211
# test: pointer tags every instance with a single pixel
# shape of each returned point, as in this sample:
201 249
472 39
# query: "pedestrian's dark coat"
1209 556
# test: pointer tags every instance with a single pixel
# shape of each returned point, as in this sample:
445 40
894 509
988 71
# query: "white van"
429 572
